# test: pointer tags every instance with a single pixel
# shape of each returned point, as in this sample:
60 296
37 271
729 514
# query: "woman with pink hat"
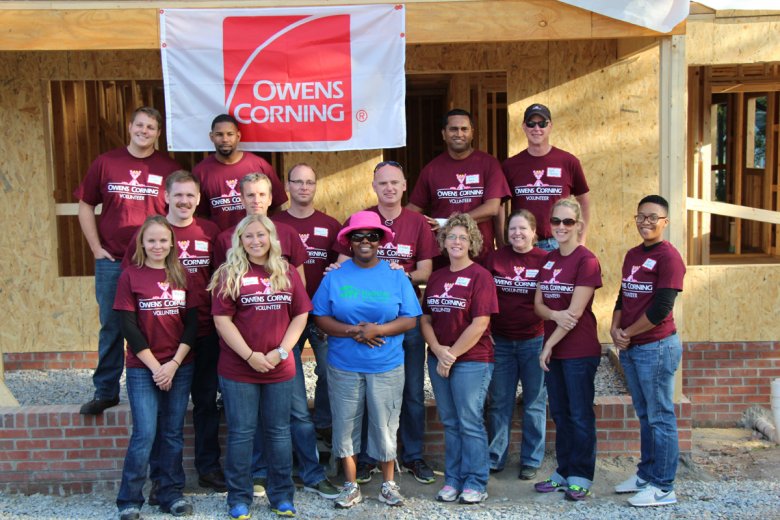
365 307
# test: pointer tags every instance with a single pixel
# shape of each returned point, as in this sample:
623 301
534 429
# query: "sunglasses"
534 124
568 222
372 237
391 163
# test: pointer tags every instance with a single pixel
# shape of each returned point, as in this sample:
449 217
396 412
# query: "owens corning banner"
296 79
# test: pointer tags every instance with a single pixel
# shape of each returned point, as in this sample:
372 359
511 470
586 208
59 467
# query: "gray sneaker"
349 496
324 489
391 494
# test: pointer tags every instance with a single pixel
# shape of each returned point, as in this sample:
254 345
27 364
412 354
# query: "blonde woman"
159 319
260 307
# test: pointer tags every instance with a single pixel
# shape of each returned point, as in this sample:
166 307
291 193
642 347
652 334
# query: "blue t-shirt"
352 294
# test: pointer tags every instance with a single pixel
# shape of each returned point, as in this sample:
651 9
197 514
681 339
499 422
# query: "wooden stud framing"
705 154
738 162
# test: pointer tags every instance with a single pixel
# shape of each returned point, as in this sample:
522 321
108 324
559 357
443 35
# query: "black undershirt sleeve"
132 333
619 302
190 333
663 302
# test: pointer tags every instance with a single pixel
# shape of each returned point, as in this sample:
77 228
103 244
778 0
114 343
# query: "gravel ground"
74 386
696 501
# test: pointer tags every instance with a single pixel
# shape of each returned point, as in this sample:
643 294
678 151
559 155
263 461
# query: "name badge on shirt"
463 281
531 273
154 179
179 295
201 245
649 264
472 179
404 249
320 232
553 172
250 280
549 265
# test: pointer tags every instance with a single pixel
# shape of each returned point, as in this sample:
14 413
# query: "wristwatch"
282 353
409 276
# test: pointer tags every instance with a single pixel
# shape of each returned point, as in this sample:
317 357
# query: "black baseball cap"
535 109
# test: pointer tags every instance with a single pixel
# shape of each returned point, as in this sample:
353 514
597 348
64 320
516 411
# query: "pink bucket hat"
365 220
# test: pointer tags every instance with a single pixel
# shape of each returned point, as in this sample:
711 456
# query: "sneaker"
153 500
325 435
390 494
470 496
179 508
632 485
324 489
651 496
447 494
284 509
527 472
549 485
259 486
131 513
98 406
240 512
364 471
349 496
576 493
420 470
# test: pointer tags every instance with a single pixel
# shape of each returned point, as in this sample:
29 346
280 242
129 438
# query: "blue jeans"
322 418
205 414
460 399
302 433
547 244
571 388
517 361
250 407
111 344
413 407
649 371
146 399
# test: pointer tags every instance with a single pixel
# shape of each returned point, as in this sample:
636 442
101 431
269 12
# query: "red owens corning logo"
289 78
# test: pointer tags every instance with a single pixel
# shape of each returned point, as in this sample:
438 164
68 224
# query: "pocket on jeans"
648 347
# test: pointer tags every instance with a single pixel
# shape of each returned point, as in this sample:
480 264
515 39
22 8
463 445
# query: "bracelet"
174 360
250 355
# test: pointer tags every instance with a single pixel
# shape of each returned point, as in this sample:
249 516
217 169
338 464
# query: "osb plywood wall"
732 40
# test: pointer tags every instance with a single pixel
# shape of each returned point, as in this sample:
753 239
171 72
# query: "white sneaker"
631 485
447 494
651 496
470 496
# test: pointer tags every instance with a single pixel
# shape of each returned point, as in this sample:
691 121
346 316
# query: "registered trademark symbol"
361 115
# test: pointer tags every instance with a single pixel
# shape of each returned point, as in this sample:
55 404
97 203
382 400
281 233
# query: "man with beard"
220 173
195 240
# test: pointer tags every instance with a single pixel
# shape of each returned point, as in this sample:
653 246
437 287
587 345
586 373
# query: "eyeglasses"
653 219
568 222
391 163
298 183
372 237
534 124
462 238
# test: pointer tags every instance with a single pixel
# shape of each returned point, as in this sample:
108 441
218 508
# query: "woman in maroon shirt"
568 279
159 319
518 336
260 307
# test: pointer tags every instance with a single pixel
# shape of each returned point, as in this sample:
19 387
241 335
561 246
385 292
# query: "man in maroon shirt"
541 175
461 179
128 183
220 172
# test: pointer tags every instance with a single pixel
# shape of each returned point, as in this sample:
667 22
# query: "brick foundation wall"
50 360
723 379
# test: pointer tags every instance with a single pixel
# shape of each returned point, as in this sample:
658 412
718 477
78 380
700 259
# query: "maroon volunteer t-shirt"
292 249
195 247
537 183
318 233
644 272
453 300
160 308
516 275
220 197
558 277
461 186
262 318
130 190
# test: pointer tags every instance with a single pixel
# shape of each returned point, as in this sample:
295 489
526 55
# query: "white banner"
657 15
296 79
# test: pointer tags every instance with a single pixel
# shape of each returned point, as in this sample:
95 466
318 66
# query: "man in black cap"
542 174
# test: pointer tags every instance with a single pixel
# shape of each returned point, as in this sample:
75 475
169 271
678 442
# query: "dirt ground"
732 453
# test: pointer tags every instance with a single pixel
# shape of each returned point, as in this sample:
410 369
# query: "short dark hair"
180 176
456 112
151 112
289 172
655 199
224 118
